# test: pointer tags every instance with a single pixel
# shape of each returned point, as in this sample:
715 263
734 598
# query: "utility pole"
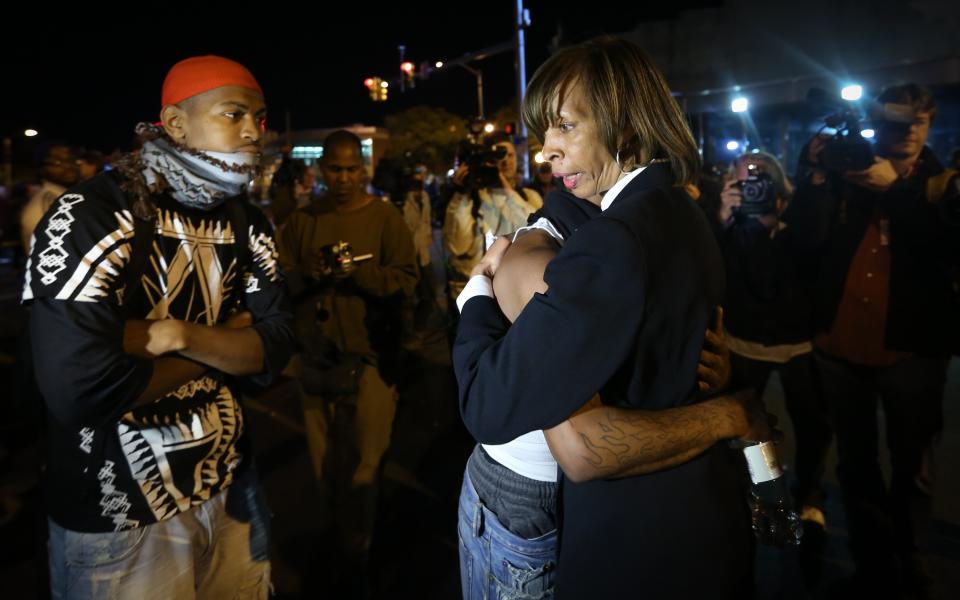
403 52
521 21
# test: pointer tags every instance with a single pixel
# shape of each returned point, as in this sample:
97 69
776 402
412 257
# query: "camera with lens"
759 194
482 160
339 257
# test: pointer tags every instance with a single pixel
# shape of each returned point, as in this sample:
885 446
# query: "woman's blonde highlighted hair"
629 99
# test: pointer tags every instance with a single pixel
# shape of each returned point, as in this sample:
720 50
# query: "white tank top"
528 455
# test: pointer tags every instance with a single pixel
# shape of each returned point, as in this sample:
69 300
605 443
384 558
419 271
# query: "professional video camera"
846 150
482 160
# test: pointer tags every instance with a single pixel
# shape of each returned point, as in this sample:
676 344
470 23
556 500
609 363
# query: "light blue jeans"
219 549
495 563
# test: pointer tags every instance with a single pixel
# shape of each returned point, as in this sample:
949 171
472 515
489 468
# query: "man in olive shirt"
348 324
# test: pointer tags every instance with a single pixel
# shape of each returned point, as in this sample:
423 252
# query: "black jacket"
630 296
769 296
829 222
565 211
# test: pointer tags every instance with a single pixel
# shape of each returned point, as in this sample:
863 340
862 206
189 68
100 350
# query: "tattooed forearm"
609 442
614 438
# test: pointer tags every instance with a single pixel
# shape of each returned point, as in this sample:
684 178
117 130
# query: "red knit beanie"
201 74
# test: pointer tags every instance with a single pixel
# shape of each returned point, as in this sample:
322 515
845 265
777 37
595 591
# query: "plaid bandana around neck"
197 179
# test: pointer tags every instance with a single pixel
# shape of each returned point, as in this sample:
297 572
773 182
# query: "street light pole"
476 56
479 75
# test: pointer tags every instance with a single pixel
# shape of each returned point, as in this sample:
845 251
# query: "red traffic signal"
377 88
407 67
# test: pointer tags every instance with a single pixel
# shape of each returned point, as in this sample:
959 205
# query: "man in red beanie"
155 293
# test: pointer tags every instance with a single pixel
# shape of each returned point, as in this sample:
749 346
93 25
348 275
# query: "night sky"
87 75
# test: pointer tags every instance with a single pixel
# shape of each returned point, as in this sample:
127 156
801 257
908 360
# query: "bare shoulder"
530 250
520 274
533 239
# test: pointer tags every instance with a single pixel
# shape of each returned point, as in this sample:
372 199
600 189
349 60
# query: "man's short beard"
251 169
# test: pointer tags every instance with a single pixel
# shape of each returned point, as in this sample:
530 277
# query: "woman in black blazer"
629 299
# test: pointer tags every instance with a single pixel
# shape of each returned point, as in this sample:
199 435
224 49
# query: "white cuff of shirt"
479 285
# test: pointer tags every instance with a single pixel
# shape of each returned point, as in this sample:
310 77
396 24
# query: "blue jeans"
496 563
216 550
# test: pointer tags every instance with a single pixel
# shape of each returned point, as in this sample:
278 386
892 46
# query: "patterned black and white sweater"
113 466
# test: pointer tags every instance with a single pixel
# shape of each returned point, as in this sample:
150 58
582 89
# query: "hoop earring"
617 158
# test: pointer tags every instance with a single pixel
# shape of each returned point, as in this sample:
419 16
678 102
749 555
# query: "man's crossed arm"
182 351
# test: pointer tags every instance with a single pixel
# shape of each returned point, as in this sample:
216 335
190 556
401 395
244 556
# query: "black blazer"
630 296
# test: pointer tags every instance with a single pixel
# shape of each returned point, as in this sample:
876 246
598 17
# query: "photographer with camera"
885 237
403 183
768 311
543 180
349 261
488 200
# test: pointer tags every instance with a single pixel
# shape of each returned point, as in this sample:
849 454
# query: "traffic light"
377 87
510 128
406 68
373 85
